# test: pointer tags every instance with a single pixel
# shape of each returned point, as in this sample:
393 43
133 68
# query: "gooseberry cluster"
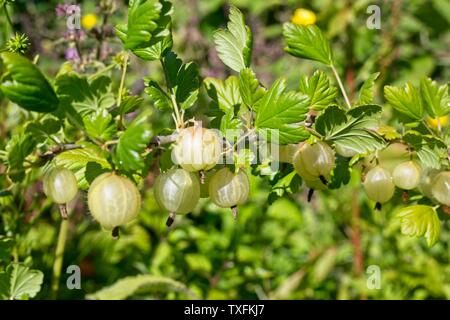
196 151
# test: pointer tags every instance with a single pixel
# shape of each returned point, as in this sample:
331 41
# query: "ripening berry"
303 17
197 149
228 189
177 191
113 200
314 162
60 185
441 188
379 186
426 182
407 175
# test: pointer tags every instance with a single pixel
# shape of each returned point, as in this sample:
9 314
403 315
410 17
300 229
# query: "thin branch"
341 86
8 17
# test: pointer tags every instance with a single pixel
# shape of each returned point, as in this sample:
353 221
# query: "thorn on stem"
63 211
170 219
115 233
234 210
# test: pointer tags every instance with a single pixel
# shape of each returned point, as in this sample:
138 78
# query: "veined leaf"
318 89
142 17
351 130
435 99
429 149
183 78
128 105
18 148
249 87
307 42
24 84
420 220
78 160
132 144
129 286
234 45
160 99
225 94
282 110
366 93
100 125
405 100
18 282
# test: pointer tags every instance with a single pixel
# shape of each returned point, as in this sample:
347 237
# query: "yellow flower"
303 17
433 122
89 21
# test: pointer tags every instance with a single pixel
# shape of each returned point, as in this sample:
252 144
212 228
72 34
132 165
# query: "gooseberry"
113 201
228 189
379 186
177 191
197 149
313 162
441 188
407 175
60 184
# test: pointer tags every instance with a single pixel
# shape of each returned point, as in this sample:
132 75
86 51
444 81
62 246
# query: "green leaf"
249 87
41 130
234 44
142 17
307 42
141 284
18 148
230 122
183 78
420 220
129 104
158 96
282 110
77 160
19 282
341 173
405 100
429 149
285 182
82 95
318 89
353 130
435 99
225 94
132 144
24 84
366 93
161 40
100 125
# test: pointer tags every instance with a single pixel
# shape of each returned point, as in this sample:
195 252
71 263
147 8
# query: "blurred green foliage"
289 249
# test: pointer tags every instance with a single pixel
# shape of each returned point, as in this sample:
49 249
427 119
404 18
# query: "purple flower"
72 54
61 9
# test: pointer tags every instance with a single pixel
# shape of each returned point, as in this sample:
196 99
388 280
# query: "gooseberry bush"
85 140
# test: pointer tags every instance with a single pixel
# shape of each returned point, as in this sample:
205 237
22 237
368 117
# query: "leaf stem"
178 117
341 86
59 255
122 83
7 16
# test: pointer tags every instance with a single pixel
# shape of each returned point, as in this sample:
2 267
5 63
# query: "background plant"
98 117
